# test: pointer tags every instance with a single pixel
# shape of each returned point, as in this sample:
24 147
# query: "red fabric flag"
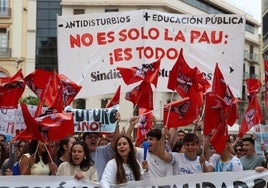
223 90
23 135
201 79
53 89
39 82
178 113
30 123
11 89
46 85
115 99
253 86
49 127
219 84
215 108
220 136
66 93
181 77
147 72
144 125
141 95
266 82
232 112
251 117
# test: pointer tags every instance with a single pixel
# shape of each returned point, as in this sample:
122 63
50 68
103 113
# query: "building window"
252 72
4 51
78 11
250 28
46 34
80 103
4 5
2 74
104 102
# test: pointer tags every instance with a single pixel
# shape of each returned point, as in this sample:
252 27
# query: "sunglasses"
238 150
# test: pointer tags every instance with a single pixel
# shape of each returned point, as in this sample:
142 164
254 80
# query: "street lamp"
19 60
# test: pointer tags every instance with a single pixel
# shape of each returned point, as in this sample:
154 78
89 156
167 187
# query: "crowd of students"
115 159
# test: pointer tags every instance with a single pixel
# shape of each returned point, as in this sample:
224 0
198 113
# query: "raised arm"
132 122
161 153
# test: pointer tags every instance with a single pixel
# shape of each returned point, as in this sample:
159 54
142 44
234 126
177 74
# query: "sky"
249 6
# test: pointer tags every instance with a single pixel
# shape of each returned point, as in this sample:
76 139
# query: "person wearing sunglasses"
238 148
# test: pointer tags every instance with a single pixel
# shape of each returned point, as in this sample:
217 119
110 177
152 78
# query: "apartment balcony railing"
253 57
248 75
5 12
5 52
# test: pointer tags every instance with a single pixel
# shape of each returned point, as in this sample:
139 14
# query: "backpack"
16 169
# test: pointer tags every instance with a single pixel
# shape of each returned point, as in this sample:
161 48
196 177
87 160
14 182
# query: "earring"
85 158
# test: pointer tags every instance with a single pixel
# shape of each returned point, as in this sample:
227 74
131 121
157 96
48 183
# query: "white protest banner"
45 182
244 179
12 122
94 120
92 46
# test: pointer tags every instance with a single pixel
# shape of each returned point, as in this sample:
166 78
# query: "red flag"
251 117
219 84
147 72
53 89
181 76
141 95
49 127
66 93
223 90
215 108
30 123
201 79
175 113
23 135
115 99
39 81
11 89
253 86
144 125
232 112
220 136
266 81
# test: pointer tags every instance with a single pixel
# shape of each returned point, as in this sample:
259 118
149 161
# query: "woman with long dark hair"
36 160
80 164
63 151
124 167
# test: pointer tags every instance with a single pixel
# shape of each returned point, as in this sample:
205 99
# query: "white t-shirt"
233 164
66 169
183 165
109 174
157 167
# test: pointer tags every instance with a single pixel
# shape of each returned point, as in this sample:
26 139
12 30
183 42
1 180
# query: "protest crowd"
121 160
125 155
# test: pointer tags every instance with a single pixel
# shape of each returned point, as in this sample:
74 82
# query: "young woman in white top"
124 167
80 164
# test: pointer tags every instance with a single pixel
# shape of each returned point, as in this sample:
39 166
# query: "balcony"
5 52
252 57
248 75
5 12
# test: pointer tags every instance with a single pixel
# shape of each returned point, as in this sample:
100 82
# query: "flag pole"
169 109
